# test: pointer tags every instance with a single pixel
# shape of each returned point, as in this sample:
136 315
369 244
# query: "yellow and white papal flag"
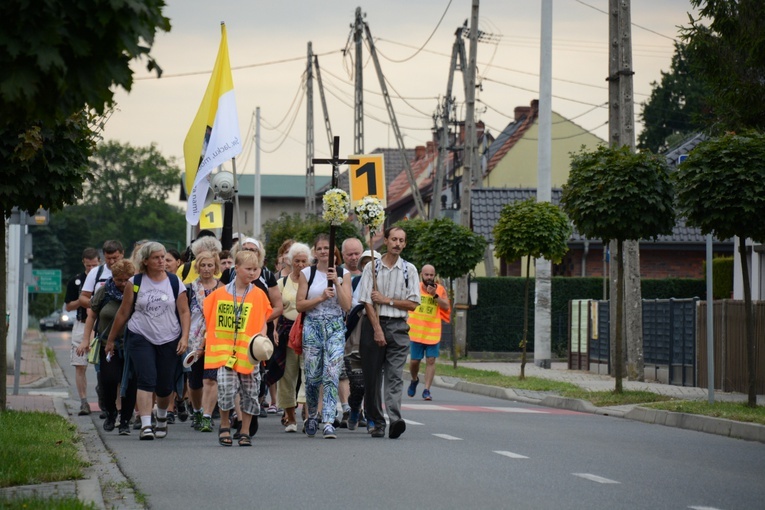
214 136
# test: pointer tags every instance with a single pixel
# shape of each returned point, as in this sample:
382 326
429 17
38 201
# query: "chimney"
419 152
521 111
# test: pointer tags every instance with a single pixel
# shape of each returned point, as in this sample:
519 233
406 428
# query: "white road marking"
594 478
427 407
448 437
703 508
515 410
412 422
511 454
49 393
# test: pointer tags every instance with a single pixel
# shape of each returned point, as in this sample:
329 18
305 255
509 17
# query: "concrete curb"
707 424
103 476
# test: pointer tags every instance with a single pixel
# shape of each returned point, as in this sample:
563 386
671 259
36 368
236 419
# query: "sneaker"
412 390
147 434
170 417
136 423
362 419
205 424
344 419
272 409
182 410
161 430
263 411
124 429
353 420
84 409
196 419
396 429
329 431
109 422
370 426
378 431
311 427
291 427
102 415
426 394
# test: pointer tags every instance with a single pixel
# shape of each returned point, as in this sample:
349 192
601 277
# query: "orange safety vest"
425 321
221 348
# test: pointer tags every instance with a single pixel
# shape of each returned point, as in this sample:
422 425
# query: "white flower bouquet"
371 213
337 206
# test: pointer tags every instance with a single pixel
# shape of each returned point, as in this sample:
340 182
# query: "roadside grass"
493 378
36 448
728 410
736 411
51 355
36 503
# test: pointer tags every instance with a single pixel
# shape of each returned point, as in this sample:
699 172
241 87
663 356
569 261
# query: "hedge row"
496 323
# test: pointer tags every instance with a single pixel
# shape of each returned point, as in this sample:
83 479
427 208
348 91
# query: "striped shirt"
392 284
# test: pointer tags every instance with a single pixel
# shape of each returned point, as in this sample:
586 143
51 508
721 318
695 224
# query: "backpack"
378 266
175 283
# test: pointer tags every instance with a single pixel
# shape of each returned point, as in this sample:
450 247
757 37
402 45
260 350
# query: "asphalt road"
459 451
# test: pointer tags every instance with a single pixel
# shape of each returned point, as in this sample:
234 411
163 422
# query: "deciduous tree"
452 249
615 194
727 42
721 190
533 230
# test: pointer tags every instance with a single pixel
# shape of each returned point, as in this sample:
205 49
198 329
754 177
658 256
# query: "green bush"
722 277
496 323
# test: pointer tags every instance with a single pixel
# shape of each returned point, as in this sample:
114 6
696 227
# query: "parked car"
58 321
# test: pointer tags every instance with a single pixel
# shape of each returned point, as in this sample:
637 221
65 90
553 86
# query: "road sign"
211 217
46 281
367 178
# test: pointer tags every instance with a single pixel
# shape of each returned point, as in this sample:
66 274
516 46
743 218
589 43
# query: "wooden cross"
335 161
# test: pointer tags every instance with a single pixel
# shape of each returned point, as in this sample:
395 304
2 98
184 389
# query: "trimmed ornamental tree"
535 230
721 190
453 250
616 194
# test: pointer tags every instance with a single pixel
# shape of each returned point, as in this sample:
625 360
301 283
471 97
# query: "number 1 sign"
367 178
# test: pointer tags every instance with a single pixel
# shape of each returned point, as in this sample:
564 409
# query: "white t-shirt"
328 308
154 317
91 285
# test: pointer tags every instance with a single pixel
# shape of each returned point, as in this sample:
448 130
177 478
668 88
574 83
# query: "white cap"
368 253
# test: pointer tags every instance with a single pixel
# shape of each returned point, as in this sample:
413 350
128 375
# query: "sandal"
285 420
244 440
225 440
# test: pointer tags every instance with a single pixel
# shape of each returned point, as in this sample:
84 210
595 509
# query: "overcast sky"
261 33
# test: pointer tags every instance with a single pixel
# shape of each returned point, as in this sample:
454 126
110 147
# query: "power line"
633 24
235 68
424 44
537 92
519 71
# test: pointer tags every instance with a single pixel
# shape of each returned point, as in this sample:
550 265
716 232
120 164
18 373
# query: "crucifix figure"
335 161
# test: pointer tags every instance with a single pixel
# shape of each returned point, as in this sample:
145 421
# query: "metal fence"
669 338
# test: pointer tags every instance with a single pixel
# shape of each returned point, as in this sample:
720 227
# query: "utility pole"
543 274
256 220
621 133
310 179
470 176
358 110
458 55
419 204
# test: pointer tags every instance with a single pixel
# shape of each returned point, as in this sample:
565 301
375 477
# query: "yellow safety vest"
425 321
